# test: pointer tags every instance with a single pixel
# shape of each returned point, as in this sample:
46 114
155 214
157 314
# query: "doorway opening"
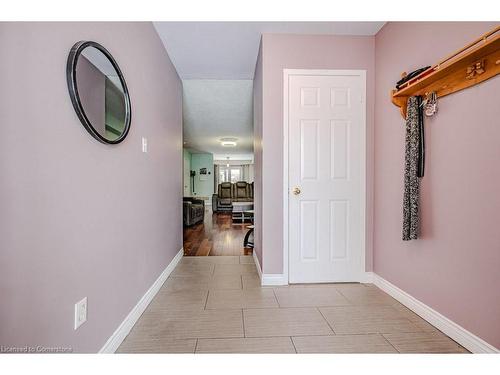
218 167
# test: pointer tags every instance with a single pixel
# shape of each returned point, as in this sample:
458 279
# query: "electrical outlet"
80 312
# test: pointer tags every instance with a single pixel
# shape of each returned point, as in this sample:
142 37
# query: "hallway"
217 235
216 305
251 184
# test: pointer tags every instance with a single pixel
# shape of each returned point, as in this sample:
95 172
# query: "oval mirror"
98 92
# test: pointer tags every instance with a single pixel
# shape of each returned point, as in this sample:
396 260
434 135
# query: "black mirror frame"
74 54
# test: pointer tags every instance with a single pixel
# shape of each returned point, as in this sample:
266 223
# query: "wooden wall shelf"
473 64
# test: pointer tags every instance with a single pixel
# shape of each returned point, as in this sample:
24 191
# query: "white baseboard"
367 278
257 264
465 338
271 279
123 330
268 279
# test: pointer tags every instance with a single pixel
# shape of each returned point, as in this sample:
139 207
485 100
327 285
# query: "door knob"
296 190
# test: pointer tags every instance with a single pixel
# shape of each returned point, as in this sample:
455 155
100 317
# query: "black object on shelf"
409 76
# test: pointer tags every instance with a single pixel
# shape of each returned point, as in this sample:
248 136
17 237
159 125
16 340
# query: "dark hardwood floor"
218 235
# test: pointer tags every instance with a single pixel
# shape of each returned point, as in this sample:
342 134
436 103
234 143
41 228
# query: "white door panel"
326 162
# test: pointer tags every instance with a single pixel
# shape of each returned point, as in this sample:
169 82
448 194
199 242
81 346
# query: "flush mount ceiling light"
228 142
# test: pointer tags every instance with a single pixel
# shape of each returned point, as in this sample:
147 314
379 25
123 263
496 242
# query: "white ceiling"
100 61
228 50
216 61
215 109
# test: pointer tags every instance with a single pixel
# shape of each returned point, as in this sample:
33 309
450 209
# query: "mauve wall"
79 218
257 152
280 51
454 267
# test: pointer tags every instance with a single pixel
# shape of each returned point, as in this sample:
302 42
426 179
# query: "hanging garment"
421 139
414 167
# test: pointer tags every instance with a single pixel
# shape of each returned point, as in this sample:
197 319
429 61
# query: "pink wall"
79 218
257 150
280 51
454 267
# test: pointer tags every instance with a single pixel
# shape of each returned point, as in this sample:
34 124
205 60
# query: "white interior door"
326 175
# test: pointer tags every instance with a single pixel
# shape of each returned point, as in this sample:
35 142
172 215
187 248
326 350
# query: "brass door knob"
296 190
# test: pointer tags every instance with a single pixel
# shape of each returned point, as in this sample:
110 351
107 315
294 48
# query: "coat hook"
430 103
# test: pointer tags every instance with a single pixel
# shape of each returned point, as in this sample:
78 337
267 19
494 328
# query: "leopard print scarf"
413 168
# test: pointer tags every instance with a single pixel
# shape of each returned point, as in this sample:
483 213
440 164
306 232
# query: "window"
235 174
222 175
230 174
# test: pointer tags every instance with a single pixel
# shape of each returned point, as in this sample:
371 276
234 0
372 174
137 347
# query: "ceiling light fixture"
228 142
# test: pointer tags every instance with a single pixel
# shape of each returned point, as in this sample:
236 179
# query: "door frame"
286 195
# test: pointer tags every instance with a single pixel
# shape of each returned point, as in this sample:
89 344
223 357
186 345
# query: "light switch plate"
80 312
144 144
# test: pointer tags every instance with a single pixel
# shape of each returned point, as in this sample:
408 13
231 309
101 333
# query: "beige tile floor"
216 305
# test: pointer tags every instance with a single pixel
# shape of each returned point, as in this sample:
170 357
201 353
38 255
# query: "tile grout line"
327 322
276 298
347 299
386 339
294 347
243 323
206 300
